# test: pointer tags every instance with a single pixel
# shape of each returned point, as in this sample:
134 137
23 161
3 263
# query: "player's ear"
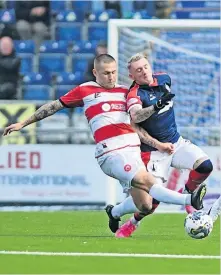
131 77
94 72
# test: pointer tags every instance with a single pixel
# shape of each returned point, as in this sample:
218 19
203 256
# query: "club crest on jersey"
127 167
97 95
106 107
167 87
152 97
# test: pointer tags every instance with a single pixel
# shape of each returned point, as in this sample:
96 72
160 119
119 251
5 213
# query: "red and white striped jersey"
106 112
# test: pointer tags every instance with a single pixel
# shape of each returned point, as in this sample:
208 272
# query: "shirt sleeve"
73 98
133 98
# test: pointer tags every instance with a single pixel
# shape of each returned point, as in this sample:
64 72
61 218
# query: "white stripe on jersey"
114 143
90 100
108 118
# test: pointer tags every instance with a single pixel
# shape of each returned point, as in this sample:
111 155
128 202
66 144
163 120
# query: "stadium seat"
80 63
88 47
49 46
56 6
69 16
37 92
183 14
10 4
82 6
25 49
36 79
62 90
27 63
7 16
65 78
97 31
24 46
197 4
142 14
68 31
54 129
52 62
67 81
102 16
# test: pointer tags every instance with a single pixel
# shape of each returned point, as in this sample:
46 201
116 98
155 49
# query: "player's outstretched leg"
127 229
215 210
189 208
197 176
113 222
132 224
197 196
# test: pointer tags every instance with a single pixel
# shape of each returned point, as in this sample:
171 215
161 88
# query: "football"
198 225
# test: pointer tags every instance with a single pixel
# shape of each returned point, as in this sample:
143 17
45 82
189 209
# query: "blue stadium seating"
52 63
53 56
36 79
65 78
10 4
50 46
141 14
87 47
97 31
27 62
68 31
62 90
24 46
82 6
56 6
69 16
36 92
80 63
198 4
67 81
7 16
183 14
25 49
102 16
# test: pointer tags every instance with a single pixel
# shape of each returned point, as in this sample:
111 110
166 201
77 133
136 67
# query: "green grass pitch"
87 231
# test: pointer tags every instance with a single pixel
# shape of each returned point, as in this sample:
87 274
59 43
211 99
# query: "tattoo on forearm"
147 139
143 114
44 111
144 136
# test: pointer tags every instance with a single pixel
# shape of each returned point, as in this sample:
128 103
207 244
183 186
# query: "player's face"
141 72
106 74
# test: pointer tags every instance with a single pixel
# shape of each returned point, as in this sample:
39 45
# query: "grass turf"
84 231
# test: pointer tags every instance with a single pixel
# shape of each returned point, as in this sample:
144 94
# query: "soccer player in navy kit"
160 127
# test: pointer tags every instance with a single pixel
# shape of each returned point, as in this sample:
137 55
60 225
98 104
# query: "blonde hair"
135 58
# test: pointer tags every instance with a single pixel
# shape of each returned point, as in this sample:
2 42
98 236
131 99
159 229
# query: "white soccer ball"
198 225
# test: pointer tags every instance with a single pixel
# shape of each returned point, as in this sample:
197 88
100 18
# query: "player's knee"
143 181
205 167
146 208
147 180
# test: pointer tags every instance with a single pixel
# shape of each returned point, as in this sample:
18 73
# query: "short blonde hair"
135 58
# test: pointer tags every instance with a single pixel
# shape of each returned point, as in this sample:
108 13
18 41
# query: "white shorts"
122 164
184 157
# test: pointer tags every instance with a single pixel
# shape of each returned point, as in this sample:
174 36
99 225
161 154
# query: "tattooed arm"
149 140
43 112
139 114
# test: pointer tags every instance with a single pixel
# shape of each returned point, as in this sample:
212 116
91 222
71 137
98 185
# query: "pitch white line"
100 254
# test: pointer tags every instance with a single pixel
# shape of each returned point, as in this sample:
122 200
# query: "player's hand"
166 147
163 101
11 128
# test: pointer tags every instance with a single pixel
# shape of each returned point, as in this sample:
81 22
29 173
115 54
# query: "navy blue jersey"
161 125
